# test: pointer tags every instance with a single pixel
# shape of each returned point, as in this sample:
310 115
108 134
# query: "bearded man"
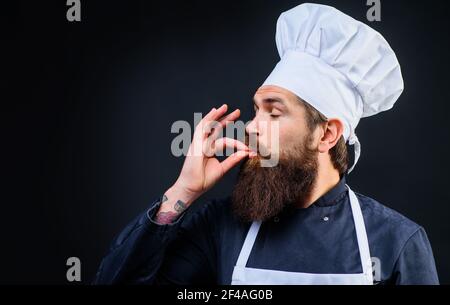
296 222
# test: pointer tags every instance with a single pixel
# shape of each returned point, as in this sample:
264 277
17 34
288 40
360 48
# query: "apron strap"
361 235
248 244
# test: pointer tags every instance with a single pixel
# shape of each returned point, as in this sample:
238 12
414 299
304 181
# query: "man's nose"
252 128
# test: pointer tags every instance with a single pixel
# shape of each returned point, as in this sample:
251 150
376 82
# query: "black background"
87 109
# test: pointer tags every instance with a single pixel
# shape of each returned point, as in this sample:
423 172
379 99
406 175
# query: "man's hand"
201 169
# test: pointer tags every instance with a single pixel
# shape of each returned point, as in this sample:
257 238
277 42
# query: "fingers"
214 128
212 147
208 116
224 122
221 143
209 122
211 129
231 117
219 112
233 160
215 114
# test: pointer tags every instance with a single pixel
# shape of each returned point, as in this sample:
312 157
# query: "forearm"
136 254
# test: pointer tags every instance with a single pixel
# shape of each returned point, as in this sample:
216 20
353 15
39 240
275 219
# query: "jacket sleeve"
146 252
416 265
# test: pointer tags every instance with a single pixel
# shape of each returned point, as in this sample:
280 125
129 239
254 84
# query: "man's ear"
332 132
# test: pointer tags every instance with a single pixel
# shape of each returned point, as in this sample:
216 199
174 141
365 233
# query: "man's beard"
263 192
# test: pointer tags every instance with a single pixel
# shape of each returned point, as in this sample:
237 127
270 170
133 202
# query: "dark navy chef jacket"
203 247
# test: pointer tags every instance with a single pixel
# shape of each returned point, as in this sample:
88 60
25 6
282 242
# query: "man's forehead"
274 92
272 89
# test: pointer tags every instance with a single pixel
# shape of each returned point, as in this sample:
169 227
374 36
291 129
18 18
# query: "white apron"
243 275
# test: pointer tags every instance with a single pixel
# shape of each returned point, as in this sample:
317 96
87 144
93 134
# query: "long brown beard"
263 192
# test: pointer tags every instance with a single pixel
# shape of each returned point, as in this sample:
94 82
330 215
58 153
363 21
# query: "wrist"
177 192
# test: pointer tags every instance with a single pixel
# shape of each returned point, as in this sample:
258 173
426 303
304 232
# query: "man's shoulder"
386 221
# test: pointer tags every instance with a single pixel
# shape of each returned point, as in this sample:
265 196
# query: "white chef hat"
338 65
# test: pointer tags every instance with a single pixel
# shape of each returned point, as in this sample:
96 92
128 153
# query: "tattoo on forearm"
170 216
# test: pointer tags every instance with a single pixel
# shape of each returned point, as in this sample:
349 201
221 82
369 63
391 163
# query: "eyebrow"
271 100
